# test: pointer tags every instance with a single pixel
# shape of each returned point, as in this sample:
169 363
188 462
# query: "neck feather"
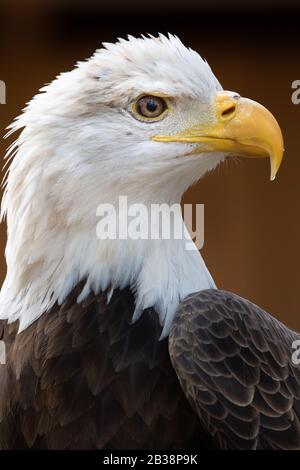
52 243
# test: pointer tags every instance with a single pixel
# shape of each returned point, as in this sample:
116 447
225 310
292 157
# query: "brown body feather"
83 377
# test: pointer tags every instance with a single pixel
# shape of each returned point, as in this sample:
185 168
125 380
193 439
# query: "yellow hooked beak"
242 127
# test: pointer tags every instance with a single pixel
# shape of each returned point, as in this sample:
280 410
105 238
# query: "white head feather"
80 147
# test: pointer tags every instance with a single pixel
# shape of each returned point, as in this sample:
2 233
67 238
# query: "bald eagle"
122 343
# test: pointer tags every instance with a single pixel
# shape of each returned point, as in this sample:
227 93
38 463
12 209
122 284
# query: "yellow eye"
149 107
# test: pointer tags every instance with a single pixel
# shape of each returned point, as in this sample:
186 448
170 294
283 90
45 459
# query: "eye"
150 107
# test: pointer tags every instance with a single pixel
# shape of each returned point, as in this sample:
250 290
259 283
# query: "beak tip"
274 170
276 160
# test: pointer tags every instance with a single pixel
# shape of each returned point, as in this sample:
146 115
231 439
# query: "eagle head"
144 118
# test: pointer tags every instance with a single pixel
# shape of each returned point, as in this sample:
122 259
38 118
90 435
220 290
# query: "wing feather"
234 363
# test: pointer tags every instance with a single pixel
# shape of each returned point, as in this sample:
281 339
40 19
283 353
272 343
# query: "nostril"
229 112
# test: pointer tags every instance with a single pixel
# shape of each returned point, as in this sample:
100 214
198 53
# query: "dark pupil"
151 106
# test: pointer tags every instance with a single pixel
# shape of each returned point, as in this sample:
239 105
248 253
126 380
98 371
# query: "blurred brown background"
252 230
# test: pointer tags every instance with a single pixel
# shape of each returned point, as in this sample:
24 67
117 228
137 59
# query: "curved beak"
242 127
